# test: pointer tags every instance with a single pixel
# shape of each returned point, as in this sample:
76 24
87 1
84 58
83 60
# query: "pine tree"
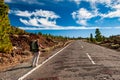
91 37
98 35
5 28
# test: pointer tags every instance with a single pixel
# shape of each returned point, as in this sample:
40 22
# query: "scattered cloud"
30 22
46 14
39 13
76 1
46 22
112 14
30 1
25 1
21 13
117 6
115 13
82 22
100 1
37 18
82 15
45 19
108 2
7 1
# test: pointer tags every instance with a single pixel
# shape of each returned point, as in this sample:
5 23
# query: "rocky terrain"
22 52
113 42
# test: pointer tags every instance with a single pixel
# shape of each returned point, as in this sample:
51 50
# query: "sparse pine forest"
112 42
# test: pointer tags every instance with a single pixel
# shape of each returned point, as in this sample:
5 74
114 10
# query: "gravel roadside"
19 70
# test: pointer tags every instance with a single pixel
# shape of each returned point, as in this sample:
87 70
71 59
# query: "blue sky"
66 17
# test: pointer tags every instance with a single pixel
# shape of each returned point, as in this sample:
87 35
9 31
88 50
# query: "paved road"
80 61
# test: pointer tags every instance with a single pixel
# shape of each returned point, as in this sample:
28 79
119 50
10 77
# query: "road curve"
80 61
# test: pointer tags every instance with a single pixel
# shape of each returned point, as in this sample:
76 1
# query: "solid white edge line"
24 76
81 46
90 58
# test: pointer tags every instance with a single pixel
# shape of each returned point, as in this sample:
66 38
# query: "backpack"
34 46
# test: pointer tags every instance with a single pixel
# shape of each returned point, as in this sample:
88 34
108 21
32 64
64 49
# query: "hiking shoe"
36 65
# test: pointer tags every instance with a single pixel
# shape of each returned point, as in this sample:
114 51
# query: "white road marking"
24 76
90 58
82 47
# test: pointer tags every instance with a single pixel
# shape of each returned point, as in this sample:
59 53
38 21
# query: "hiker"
34 47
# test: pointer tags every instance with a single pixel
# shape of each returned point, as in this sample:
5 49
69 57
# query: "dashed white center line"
90 58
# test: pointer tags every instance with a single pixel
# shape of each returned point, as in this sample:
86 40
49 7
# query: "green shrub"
115 46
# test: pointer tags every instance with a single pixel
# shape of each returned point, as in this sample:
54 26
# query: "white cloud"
108 2
76 1
21 13
24 21
101 1
115 13
46 14
39 22
82 15
117 6
25 1
113 4
29 1
7 1
37 18
33 2
41 13
112 14
46 22
30 22
83 22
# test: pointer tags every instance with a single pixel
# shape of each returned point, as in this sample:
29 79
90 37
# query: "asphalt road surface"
80 61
